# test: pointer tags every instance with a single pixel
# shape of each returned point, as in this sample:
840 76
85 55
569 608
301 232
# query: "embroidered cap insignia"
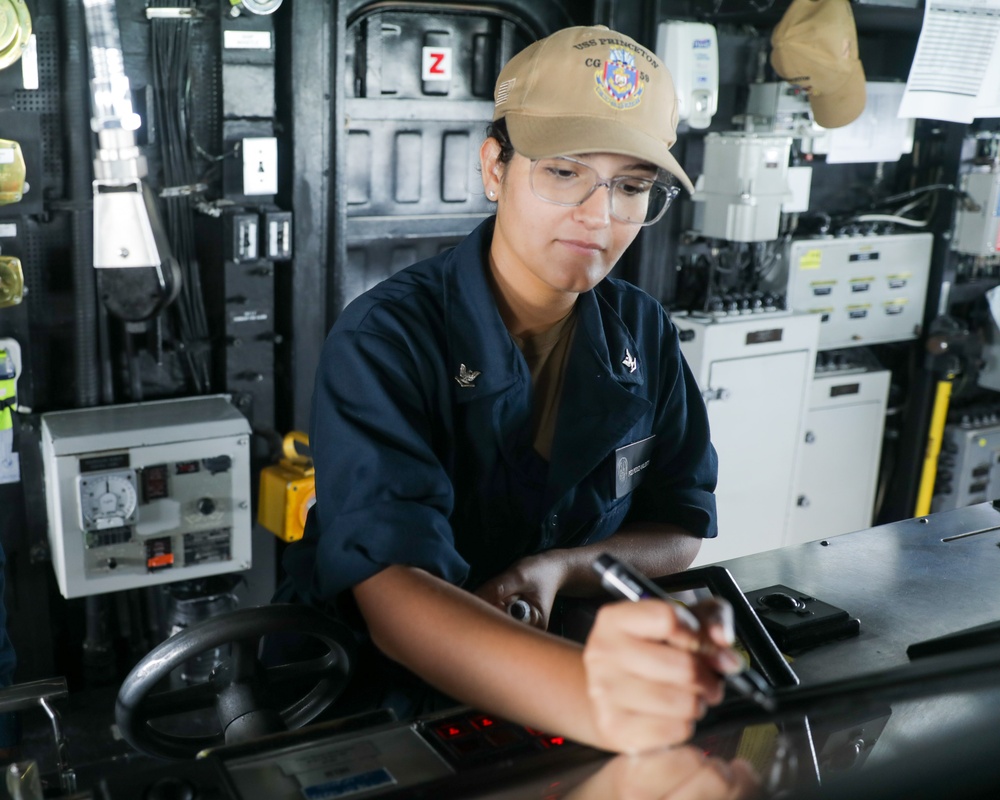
466 377
618 81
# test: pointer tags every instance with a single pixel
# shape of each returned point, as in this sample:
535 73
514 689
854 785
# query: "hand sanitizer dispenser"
690 50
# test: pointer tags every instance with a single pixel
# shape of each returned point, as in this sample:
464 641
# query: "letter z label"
436 64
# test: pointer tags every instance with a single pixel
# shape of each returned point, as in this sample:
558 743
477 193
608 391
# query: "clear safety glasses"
568 182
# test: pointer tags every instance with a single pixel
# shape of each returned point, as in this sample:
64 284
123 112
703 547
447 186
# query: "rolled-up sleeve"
383 496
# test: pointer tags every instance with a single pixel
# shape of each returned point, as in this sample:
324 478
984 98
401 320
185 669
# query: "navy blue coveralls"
421 432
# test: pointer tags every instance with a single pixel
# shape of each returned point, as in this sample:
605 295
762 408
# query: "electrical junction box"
782 108
146 493
977 233
865 289
288 490
690 50
969 463
740 194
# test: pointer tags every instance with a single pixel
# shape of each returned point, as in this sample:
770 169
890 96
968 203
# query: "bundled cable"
170 51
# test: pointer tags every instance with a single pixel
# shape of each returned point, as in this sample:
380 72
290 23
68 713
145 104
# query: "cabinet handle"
715 394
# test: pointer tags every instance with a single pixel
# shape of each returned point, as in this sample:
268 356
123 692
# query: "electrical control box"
977 232
146 493
740 194
967 466
865 289
969 463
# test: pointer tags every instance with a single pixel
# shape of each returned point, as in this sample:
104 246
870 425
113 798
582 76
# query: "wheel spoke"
243 659
177 701
314 668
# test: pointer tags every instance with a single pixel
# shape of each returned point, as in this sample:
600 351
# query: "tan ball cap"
815 46
590 90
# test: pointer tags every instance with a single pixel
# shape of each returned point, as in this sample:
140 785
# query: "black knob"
206 506
781 601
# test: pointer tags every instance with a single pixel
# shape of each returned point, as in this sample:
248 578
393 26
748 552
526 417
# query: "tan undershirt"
546 355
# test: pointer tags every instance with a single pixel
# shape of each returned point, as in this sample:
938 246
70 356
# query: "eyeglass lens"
568 182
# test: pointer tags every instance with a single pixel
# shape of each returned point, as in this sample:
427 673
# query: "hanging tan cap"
590 90
815 46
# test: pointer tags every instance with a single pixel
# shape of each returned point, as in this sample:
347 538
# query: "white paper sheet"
878 134
955 74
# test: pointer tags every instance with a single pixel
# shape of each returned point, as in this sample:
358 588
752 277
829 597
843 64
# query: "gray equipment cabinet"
754 372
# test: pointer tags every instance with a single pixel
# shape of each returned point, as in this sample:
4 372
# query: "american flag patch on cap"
503 90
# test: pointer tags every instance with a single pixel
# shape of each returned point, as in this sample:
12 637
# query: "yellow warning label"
811 259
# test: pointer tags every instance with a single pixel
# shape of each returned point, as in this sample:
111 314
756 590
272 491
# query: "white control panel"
146 493
865 289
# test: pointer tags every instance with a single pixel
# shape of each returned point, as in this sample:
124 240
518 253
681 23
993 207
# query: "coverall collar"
479 340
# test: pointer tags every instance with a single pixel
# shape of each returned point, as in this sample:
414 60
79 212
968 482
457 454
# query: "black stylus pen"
623 581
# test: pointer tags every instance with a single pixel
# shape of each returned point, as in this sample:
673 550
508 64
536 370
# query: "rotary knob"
206 506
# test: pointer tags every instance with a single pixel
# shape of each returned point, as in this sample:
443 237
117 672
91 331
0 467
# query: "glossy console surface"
864 721
906 582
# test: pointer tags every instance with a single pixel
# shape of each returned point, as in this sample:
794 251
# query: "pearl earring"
492 194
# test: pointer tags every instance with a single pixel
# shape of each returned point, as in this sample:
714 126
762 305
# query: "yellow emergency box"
287 490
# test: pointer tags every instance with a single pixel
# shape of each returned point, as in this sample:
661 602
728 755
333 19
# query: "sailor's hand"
648 679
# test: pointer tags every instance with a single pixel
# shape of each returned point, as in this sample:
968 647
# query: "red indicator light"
453 727
557 740
482 722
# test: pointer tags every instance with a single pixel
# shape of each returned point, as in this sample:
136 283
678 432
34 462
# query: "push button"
453 729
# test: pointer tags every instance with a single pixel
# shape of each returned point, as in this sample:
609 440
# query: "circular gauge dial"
108 501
